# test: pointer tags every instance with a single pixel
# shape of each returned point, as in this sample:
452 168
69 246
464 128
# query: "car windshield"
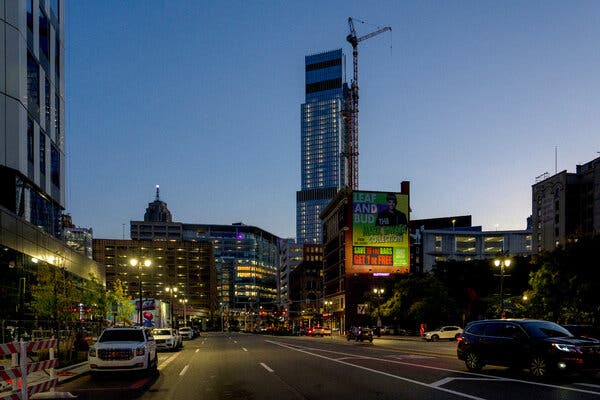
161 332
545 329
126 335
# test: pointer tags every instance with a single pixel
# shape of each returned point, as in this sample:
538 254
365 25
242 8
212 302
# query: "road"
243 366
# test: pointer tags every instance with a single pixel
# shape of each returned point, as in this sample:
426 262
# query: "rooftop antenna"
157 193
555 160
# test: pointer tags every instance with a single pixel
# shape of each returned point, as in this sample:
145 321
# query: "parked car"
167 338
445 332
360 333
123 349
541 346
186 332
318 331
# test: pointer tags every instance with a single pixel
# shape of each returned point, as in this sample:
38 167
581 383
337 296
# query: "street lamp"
502 264
328 307
378 293
137 263
184 302
171 291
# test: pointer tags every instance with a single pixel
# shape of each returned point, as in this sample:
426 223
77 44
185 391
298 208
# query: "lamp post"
184 302
378 293
137 263
328 306
171 291
502 264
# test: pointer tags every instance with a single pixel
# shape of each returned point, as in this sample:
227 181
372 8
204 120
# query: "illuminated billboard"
379 233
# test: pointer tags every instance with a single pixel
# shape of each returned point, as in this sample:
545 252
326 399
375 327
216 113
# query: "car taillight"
140 351
459 339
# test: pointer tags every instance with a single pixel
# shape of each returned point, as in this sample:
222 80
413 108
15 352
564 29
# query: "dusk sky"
467 100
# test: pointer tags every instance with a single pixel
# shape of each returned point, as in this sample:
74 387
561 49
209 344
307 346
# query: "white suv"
123 349
445 332
186 332
167 339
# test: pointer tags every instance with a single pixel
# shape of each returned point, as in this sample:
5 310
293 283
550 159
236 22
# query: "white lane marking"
442 382
235 341
265 366
184 370
499 379
197 350
588 384
169 360
245 349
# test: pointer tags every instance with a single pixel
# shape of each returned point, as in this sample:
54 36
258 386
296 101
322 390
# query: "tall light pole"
502 264
378 293
328 306
184 302
137 263
171 291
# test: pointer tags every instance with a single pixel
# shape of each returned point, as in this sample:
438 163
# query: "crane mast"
351 116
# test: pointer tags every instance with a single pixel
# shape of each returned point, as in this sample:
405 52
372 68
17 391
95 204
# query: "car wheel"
155 362
435 338
473 361
538 366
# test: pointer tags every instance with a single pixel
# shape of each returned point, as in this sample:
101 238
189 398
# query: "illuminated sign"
380 233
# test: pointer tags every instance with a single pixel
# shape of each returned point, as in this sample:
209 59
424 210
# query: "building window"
57 60
47 101
55 166
30 16
44 34
30 140
33 85
465 244
438 243
42 154
54 8
57 131
493 244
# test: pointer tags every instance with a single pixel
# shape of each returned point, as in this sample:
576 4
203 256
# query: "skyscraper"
323 170
32 134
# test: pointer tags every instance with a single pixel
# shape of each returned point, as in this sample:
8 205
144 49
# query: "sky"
470 101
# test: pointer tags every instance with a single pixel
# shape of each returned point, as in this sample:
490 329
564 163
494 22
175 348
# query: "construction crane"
351 116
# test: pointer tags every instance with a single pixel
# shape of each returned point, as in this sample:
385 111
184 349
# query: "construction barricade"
16 375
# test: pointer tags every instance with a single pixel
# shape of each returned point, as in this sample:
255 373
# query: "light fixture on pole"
184 302
137 263
502 264
172 291
378 293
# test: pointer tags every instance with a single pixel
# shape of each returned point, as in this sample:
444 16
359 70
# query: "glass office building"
323 170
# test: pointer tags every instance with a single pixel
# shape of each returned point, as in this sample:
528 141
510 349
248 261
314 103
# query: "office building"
32 153
290 256
566 206
323 169
245 257
471 243
32 134
187 266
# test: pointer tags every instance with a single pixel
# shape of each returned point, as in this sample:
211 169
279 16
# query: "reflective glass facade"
323 171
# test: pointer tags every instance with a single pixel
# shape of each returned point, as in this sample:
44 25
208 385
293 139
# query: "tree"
121 302
565 283
52 297
95 297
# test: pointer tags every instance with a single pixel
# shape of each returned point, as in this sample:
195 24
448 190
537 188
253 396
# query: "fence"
20 369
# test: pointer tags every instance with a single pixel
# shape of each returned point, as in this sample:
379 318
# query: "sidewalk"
71 372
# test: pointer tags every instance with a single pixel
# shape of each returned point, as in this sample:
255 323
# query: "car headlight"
140 351
92 352
567 348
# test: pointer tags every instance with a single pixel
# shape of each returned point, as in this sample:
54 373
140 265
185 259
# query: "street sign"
361 309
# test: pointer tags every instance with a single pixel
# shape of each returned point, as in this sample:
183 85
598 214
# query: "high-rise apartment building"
323 170
565 206
32 134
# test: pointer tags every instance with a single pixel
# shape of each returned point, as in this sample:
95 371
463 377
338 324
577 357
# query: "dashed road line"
265 366
184 370
245 349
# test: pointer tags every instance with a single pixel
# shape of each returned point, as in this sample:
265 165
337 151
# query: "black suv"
360 333
541 346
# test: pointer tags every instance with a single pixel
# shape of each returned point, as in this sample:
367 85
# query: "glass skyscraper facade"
323 170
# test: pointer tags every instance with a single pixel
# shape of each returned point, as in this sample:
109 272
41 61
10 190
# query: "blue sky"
467 100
